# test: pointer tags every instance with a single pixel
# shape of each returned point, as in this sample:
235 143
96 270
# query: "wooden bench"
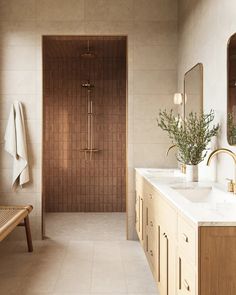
13 216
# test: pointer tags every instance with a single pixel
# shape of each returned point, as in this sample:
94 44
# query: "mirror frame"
201 68
228 109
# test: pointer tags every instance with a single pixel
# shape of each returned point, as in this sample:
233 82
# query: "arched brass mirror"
193 90
231 100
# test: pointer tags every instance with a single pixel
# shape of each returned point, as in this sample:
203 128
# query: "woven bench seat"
13 216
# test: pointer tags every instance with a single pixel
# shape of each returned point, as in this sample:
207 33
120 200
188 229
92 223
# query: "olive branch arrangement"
191 136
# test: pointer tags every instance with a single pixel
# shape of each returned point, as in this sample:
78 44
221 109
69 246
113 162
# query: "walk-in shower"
84 123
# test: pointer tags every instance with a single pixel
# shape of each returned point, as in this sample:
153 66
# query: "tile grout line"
123 267
61 268
92 266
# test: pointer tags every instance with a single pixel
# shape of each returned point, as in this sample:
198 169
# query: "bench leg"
28 234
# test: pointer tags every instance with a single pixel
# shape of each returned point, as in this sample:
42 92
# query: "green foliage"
190 136
231 130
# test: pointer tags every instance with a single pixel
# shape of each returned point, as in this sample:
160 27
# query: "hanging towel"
16 146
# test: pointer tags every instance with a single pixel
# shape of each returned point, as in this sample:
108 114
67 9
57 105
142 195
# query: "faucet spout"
219 151
232 183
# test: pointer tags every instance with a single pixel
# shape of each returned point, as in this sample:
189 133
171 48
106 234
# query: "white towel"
16 146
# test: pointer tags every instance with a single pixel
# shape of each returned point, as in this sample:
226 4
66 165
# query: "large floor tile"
131 251
84 254
41 281
107 251
80 251
74 281
108 277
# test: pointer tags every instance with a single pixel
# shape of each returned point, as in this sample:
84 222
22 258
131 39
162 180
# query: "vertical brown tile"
72 183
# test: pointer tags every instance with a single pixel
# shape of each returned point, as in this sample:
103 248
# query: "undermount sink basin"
163 172
205 195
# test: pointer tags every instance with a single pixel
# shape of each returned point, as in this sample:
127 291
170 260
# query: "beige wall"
204 29
151 26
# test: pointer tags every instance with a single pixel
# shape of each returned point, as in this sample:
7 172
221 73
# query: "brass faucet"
182 165
232 183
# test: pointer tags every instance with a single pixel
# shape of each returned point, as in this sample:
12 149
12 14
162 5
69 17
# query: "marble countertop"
221 213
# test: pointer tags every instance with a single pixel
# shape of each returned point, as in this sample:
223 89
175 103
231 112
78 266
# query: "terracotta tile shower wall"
70 182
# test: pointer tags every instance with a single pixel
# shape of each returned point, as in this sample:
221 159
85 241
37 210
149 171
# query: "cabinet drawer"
187 278
139 183
167 217
187 239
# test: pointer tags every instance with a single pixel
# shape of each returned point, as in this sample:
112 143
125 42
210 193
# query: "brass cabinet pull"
180 273
147 243
186 285
151 252
146 216
167 261
141 218
151 223
159 254
185 237
150 195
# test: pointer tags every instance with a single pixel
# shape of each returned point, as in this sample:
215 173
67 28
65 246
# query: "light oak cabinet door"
164 259
151 252
167 277
151 229
186 277
140 216
187 239
137 217
172 266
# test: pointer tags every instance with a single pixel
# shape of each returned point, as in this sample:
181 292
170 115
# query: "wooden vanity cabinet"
157 228
185 259
157 234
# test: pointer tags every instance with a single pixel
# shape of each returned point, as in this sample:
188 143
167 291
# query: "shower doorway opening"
84 124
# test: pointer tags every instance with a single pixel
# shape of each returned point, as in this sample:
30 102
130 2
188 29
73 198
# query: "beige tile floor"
85 253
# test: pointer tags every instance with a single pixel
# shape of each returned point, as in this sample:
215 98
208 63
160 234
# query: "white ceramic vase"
192 173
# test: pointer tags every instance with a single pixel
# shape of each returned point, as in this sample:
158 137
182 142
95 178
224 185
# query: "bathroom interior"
118 154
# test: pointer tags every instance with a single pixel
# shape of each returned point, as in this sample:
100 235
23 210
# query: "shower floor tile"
85 253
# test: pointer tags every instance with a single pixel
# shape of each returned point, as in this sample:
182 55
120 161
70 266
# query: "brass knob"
185 237
186 285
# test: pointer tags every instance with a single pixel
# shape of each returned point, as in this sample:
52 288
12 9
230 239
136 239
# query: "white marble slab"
219 213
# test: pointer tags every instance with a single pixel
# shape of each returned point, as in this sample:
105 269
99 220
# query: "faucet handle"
231 185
